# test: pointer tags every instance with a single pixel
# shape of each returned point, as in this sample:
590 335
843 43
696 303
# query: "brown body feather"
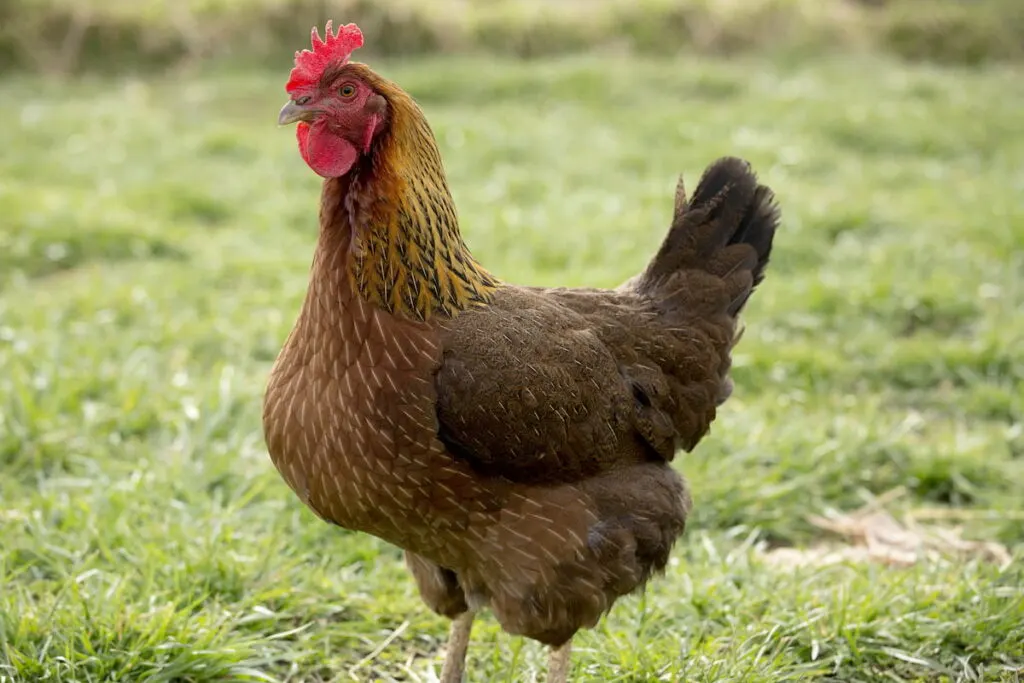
514 441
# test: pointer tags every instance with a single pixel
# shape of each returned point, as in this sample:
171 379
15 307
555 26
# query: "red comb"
334 48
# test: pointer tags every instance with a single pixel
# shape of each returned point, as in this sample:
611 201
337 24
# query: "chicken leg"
559 662
458 643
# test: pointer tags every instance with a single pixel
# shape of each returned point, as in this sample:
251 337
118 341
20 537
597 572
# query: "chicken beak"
292 112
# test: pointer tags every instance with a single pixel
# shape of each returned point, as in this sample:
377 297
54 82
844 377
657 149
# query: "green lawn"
154 244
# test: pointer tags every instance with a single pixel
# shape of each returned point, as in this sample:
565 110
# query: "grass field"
154 249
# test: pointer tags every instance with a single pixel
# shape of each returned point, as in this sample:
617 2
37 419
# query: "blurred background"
63 36
858 502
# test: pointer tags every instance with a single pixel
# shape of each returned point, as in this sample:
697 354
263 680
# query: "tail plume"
724 230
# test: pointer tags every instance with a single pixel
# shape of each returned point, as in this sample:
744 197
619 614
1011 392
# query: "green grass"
154 249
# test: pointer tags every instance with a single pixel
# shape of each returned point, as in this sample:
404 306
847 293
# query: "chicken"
514 441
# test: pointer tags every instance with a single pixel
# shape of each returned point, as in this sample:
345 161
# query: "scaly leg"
559 662
458 644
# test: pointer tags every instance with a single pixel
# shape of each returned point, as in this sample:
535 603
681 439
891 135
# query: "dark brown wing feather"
547 386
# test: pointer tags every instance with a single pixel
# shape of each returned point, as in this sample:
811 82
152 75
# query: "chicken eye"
348 90
303 100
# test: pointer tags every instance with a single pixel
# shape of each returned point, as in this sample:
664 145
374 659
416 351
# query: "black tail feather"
725 229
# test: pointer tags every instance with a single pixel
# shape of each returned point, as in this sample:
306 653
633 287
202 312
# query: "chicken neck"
406 254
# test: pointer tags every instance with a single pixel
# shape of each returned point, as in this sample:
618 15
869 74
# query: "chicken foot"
458 643
559 662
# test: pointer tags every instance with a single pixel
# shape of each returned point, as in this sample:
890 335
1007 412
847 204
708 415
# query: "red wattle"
329 155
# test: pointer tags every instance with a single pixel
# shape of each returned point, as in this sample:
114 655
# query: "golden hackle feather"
411 259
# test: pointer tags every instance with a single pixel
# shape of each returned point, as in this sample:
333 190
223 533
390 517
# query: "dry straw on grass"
873 534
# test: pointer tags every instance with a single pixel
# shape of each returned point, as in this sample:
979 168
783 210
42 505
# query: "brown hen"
514 441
